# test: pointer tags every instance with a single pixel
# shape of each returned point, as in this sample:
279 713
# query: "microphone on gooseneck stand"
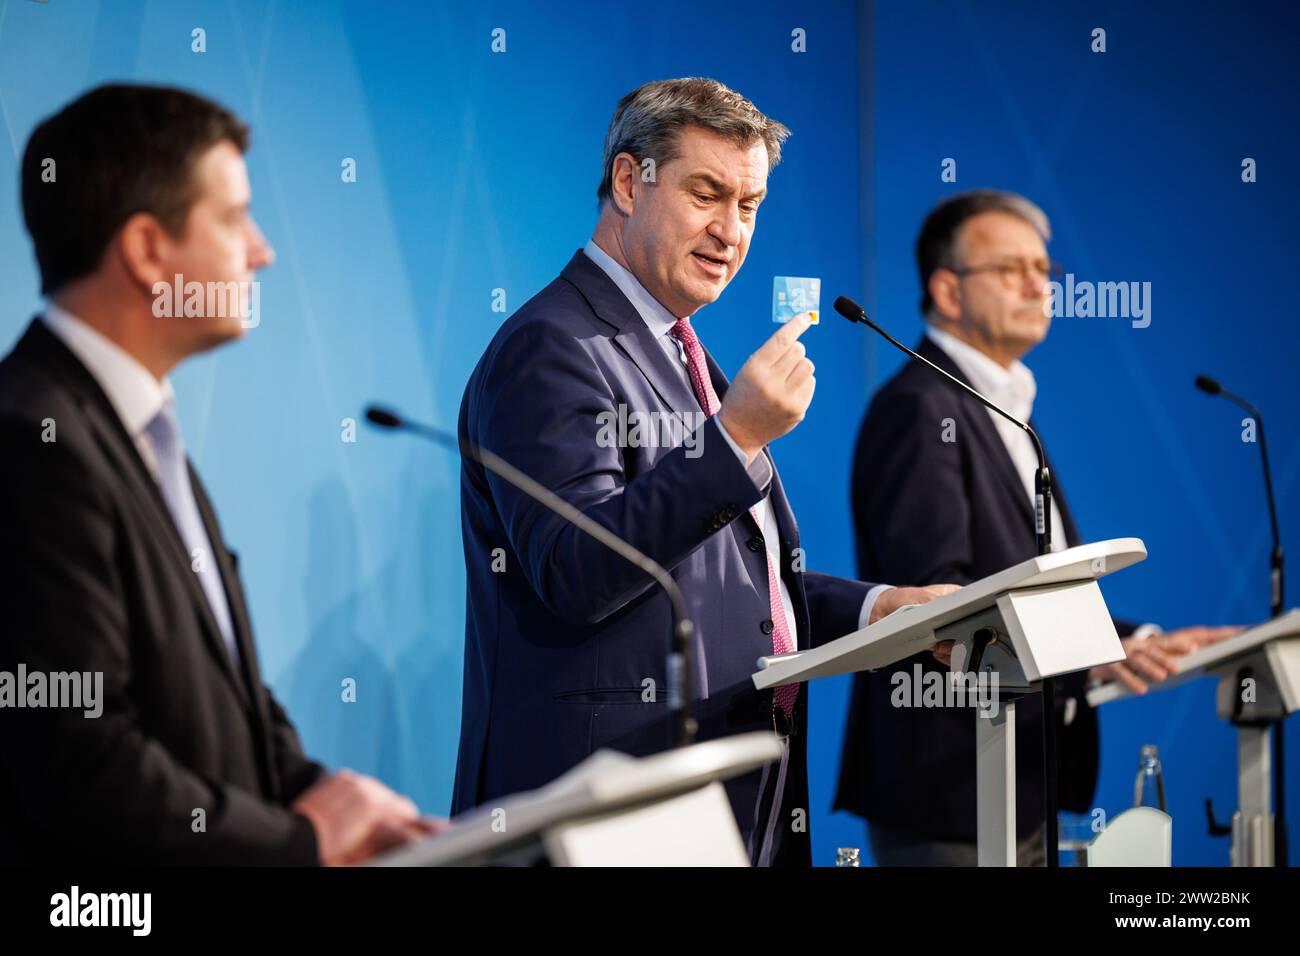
1042 535
1277 601
1042 480
680 664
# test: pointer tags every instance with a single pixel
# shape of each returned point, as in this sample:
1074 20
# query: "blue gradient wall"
477 171
1136 156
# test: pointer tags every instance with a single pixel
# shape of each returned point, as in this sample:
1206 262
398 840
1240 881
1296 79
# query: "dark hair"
117 150
936 245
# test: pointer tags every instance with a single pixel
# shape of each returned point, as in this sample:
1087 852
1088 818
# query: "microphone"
1042 534
680 664
1277 601
1208 385
1042 480
1277 598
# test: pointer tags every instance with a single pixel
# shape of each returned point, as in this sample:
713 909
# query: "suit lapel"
241 622
977 418
239 617
638 343
657 367
633 336
121 450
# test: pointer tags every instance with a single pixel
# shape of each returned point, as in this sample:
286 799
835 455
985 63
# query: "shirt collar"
134 393
659 319
1013 388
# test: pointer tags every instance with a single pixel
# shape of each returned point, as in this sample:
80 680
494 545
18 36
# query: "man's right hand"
355 816
772 391
897 598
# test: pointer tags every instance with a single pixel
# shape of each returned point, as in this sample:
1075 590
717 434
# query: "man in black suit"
942 491
114 577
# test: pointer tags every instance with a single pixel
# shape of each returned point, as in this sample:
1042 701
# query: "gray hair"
648 120
936 245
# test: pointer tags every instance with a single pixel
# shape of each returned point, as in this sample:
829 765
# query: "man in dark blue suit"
566 642
941 492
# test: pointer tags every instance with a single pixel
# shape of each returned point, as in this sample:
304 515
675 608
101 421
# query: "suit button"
755 543
766 625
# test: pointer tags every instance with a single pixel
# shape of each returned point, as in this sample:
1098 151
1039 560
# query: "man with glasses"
942 491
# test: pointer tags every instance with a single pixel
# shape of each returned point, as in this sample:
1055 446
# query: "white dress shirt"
660 321
139 398
134 393
1014 389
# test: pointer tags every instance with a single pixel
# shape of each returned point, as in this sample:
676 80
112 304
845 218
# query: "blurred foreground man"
134 725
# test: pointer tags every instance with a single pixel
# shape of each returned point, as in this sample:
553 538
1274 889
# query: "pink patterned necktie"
782 643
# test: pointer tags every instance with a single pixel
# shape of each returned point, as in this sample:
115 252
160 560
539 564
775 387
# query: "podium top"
1202 662
604 782
910 630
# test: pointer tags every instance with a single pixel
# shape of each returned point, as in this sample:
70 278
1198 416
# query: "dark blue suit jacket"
562 635
927 511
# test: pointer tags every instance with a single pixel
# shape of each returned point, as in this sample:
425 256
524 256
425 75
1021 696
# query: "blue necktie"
174 479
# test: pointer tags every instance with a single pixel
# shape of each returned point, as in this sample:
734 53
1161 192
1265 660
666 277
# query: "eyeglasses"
1014 272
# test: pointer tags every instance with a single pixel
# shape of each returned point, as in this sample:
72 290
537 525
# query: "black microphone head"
1208 385
850 309
383 417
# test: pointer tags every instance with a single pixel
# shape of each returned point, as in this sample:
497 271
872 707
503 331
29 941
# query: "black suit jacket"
928 511
94 577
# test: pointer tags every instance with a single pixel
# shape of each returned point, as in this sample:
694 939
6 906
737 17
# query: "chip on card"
792 295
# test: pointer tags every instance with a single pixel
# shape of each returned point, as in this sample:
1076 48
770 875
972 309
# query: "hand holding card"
770 394
792 296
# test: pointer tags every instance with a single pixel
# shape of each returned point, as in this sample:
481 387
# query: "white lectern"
668 809
1259 682
1041 618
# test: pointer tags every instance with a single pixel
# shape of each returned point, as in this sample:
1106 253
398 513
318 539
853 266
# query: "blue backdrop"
476 171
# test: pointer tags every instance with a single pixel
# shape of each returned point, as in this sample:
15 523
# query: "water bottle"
1149 791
